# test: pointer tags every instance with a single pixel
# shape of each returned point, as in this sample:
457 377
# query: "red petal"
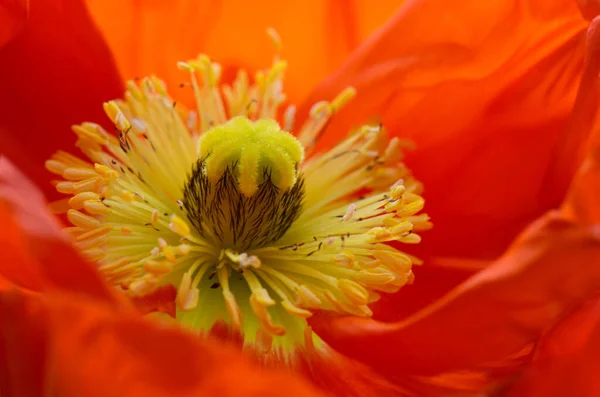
589 8
13 14
55 74
583 199
477 88
493 315
567 362
432 281
63 346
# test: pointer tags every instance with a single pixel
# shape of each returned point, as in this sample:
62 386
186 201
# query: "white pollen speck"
349 213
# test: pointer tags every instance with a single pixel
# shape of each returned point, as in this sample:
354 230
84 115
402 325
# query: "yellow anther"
345 259
262 297
355 292
394 260
411 207
91 184
93 242
380 233
135 92
56 167
127 196
394 205
343 98
115 114
376 276
89 134
251 150
76 202
169 253
295 310
263 315
78 174
179 226
65 187
83 221
401 228
308 297
412 238
187 295
106 172
397 192
95 207
158 268
93 233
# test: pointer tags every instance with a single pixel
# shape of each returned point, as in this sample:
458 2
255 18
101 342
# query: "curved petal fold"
566 362
56 73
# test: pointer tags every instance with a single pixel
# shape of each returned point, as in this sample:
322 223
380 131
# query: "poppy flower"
166 202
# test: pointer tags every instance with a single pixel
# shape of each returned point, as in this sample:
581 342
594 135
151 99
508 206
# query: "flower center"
243 189
222 203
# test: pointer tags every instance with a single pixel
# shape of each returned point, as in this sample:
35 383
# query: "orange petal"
566 363
583 199
492 316
56 73
150 37
61 345
31 240
477 89
13 14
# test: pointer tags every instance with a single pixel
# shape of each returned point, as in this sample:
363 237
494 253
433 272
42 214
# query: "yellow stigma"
254 150
220 202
